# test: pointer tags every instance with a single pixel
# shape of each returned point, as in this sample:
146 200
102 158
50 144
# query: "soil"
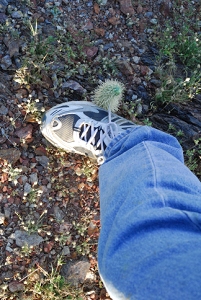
50 194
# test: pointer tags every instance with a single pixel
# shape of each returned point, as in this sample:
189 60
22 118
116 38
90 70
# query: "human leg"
149 246
150 241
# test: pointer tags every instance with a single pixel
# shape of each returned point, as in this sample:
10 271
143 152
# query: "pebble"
134 97
73 85
15 286
142 93
108 46
2 218
23 238
11 155
149 14
66 251
154 21
58 213
27 188
102 2
6 62
75 272
3 110
136 59
17 15
7 212
43 160
155 82
33 178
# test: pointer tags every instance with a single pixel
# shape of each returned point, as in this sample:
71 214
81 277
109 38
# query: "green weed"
179 60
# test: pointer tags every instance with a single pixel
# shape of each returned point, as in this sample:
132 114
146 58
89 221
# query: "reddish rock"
114 20
139 9
126 7
88 26
165 8
40 151
48 247
96 8
91 51
125 67
25 132
100 31
47 81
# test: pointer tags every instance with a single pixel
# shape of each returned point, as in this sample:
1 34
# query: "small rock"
15 286
136 59
114 20
165 8
2 218
48 246
100 31
27 188
3 110
102 2
88 26
142 93
13 46
90 51
149 14
6 62
23 238
126 7
144 70
65 251
7 212
74 85
75 272
155 82
139 9
58 213
17 14
11 155
125 67
154 21
40 151
134 97
90 276
64 227
43 160
108 46
33 178
25 132
96 8
6 275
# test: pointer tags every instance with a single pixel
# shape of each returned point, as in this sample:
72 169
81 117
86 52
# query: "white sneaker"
82 127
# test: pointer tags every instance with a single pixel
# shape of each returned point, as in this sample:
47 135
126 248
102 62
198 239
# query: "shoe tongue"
88 136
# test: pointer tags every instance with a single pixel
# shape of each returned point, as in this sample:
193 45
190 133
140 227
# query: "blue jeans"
150 240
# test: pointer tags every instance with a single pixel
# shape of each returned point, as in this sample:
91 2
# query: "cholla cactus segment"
109 94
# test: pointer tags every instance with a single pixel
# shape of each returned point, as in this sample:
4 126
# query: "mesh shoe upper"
82 127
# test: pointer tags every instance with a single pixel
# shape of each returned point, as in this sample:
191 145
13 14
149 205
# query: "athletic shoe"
82 127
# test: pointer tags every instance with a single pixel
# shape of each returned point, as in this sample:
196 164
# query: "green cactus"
109 94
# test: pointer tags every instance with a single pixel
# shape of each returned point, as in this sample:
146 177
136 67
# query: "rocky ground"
52 52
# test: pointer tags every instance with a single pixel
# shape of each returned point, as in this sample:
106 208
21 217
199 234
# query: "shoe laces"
96 136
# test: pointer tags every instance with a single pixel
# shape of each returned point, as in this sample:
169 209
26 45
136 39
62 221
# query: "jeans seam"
154 173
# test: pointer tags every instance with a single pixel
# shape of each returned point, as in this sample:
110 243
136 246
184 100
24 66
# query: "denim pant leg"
150 240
